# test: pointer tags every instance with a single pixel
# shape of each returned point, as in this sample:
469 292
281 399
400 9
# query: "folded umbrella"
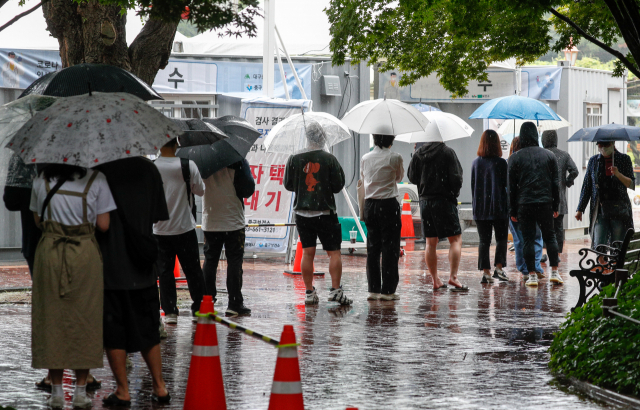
442 127
197 132
91 129
85 78
382 116
515 107
211 158
289 136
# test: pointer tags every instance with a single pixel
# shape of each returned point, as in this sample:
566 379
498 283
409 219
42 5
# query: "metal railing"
609 305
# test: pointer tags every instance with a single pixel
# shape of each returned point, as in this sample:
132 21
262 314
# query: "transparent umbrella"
15 114
290 135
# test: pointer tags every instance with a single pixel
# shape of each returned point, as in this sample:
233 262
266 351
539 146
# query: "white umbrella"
513 126
382 116
442 127
91 129
289 136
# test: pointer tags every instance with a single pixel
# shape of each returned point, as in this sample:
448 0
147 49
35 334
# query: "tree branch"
21 15
632 67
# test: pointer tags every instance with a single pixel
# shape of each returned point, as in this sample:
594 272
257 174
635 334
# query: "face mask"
606 151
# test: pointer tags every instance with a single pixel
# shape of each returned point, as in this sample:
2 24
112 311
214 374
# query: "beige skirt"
68 291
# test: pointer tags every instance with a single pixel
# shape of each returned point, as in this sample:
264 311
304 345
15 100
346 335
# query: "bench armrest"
594 265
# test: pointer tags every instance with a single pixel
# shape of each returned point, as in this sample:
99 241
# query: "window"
593 119
200 108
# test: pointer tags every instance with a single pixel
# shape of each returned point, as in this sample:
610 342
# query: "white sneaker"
392 296
163 331
81 402
532 281
56 402
311 298
171 319
337 295
373 296
555 277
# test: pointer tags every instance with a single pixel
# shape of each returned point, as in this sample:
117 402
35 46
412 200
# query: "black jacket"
533 175
435 169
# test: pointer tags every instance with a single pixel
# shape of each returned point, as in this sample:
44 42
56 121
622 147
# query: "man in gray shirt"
567 172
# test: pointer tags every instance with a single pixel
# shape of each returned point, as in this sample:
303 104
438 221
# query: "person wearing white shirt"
177 236
381 170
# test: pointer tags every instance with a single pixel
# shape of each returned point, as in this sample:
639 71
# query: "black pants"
382 217
558 224
485 227
233 243
185 247
541 214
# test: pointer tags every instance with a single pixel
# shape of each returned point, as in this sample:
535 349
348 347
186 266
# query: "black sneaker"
544 258
500 275
238 310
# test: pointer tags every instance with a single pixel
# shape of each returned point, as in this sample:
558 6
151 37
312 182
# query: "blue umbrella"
609 132
515 107
425 108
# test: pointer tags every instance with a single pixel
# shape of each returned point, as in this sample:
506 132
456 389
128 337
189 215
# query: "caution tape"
252 333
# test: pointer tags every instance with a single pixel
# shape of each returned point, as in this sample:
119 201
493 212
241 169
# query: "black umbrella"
606 133
77 79
197 132
214 157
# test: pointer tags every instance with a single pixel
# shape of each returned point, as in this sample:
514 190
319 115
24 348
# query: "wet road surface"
485 349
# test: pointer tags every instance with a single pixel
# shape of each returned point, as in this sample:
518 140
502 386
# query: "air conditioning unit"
412 190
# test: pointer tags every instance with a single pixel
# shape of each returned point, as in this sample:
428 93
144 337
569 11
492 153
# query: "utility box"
330 85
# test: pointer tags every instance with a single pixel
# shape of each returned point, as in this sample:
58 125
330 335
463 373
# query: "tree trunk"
90 32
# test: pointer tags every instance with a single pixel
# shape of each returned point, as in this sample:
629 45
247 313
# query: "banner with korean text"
271 203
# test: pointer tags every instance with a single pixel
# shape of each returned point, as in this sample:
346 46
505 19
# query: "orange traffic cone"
297 263
407 219
205 389
176 269
286 391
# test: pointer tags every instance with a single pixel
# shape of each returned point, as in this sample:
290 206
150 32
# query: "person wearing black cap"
534 198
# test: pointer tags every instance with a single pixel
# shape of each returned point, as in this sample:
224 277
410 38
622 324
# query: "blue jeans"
518 244
605 226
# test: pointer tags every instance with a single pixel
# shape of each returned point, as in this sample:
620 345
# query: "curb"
601 394
19 289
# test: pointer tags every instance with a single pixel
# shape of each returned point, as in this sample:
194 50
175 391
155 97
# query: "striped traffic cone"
297 263
407 219
205 389
286 392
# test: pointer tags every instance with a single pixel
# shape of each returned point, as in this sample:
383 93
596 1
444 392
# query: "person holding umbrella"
68 203
316 176
381 170
609 175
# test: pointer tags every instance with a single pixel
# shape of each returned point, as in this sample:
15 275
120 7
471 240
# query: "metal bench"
597 267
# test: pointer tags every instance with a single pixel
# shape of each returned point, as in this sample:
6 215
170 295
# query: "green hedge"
602 351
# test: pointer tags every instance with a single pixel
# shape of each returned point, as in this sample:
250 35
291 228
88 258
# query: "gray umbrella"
197 132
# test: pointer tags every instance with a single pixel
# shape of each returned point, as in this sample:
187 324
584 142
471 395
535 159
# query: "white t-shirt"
175 191
221 209
381 169
67 209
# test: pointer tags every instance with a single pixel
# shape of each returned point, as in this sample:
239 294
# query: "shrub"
602 351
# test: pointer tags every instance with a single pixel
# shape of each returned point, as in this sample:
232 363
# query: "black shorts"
439 218
325 227
131 319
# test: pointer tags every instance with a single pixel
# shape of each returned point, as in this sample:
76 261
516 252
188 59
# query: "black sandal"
162 400
113 400
43 385
95 384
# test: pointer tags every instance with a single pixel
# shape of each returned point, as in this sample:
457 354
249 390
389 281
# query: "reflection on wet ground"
485 349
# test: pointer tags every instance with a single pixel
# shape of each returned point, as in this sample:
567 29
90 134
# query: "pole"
304 95
267 47
282 75
353 212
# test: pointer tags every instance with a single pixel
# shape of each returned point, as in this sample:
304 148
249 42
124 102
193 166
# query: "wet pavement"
485 349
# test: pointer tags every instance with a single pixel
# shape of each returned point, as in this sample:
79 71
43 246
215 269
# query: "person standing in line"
567 173
490 205
177 236
223 224
131 306
315 176
68 203
609 175
534 198
381 170
435 169
518 242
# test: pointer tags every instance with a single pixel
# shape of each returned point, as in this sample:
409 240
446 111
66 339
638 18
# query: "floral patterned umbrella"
91 129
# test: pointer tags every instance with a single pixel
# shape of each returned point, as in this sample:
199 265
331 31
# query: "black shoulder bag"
47 199
186 175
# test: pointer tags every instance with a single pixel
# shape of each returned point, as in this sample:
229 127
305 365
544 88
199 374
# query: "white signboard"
500 84
271 203
187 76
